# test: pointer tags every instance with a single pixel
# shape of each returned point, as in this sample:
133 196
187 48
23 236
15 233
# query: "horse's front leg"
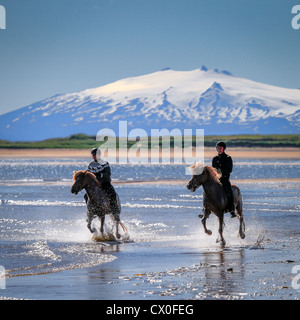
89 221
116 220
221 225
205 215
242 223
117 230
242 228
102 224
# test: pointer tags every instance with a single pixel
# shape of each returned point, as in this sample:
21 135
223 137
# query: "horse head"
199 176
79 181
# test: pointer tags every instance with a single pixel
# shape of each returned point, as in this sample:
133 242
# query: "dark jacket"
224 163
101 170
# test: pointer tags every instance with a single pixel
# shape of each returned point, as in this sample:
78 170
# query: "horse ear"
74 175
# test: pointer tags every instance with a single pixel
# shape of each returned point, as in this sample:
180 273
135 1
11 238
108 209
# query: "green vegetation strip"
82 141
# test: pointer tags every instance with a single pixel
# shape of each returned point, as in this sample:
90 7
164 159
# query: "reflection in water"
223 272
220 275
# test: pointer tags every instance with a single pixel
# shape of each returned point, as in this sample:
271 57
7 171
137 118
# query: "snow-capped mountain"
213 100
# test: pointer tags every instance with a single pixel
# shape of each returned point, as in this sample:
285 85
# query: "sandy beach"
236 153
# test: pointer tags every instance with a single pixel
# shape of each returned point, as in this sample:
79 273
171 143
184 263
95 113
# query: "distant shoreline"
209 152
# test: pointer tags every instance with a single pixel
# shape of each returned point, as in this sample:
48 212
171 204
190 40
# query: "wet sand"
251 272
245 272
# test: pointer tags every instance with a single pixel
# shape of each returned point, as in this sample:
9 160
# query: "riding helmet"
94 151
221 144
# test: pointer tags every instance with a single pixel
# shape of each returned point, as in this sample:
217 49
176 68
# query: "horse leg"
102 224
221 223
239 209
89 221
203 220
117 230
116 220
115 213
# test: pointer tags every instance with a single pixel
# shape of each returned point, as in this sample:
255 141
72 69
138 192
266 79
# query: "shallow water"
48 252
62 170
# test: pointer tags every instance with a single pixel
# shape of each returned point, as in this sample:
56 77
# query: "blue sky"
62 46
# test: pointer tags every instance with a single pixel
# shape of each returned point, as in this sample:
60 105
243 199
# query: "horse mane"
198 168
214 174
88 173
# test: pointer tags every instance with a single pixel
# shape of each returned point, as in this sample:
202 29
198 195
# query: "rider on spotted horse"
101 169
223 162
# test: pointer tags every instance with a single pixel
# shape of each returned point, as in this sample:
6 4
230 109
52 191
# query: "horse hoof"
242 236
118 236
91 230
208 232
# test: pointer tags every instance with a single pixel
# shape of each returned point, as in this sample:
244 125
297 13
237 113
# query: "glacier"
213 100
